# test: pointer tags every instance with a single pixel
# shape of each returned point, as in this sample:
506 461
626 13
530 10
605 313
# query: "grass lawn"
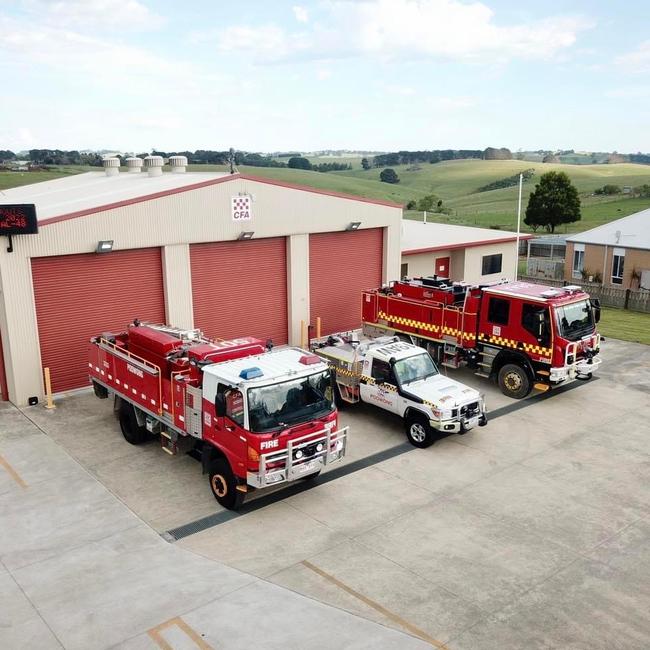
625 325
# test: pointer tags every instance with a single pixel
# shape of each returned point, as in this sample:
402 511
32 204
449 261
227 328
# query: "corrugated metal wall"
79 296
239 288
341 266
3 378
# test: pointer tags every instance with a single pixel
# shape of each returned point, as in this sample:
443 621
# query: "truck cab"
273 416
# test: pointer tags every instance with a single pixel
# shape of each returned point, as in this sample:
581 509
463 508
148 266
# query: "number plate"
305 468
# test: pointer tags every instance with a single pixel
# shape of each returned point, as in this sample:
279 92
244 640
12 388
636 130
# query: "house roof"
632 231
78 195
419 237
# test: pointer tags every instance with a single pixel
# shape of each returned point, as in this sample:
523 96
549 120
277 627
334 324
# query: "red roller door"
240 288
341 266
79 296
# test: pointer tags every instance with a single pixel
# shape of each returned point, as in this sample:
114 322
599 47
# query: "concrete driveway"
533 532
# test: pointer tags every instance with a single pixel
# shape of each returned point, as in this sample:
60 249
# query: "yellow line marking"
155 634
416 631
12 472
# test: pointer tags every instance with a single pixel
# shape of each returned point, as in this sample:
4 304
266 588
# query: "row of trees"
412 157
299 162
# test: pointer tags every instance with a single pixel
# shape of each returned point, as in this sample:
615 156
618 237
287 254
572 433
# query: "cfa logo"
269 444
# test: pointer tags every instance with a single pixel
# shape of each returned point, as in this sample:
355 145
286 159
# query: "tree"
497 154
388 175
554 201
411 205
365 163
643 191
298 162
428 203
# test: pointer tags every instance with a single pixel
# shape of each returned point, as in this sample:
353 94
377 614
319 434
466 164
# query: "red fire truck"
257 416
523 335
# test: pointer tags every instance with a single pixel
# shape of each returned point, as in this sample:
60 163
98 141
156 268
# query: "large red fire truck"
523 335
258 417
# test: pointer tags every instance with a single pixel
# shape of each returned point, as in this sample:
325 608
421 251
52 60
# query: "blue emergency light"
251 373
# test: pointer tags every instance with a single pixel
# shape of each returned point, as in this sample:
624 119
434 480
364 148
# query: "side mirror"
220 405
595 305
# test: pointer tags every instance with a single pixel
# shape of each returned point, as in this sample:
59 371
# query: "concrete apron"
79 570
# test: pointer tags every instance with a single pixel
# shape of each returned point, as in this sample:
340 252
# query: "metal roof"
632 231
95 189
280 364
419 237
81 194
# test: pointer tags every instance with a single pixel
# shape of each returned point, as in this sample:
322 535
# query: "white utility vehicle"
403 379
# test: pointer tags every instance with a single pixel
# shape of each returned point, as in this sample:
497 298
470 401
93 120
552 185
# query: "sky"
374 75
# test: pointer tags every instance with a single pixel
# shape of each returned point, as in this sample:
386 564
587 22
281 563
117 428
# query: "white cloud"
399 29
637 60
396 89
95 14
323 74
301 14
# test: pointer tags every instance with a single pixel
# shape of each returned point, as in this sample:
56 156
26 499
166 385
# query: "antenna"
231 160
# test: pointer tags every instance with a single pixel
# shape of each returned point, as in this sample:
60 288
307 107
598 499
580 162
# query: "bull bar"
292 468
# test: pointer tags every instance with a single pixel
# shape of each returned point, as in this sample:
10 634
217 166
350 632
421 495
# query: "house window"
578 260
491 264
404 270
499 311
618 265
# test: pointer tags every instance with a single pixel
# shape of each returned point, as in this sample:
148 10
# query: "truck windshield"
415 368
290 402
575 320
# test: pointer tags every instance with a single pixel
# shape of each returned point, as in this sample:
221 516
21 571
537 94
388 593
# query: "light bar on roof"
251 373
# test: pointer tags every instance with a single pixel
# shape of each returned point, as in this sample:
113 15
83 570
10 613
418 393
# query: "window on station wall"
404 270
618 265
499 311
578 260
491 264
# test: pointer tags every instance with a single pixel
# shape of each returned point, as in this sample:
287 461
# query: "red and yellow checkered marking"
531 348
427 327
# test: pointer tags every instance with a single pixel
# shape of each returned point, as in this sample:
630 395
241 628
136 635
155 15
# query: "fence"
608 296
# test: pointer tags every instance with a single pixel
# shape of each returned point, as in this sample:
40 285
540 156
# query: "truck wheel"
99 390
418 431
224 485
514 381
133 433
338 400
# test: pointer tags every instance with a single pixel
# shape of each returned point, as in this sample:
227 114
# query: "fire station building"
231 254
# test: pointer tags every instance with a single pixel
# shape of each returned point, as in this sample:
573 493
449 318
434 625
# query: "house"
616 254
475 255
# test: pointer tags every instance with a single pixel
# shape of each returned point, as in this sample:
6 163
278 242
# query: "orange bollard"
48 389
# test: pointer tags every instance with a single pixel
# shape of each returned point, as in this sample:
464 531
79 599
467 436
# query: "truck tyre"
418 431
514 381
100 391
338 400
133 433
224 485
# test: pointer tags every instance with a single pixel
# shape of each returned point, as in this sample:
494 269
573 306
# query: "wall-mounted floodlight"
353 226
243 236
104 246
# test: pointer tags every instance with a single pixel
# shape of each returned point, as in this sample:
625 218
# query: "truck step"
167 444
450 364
482 374
484 365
